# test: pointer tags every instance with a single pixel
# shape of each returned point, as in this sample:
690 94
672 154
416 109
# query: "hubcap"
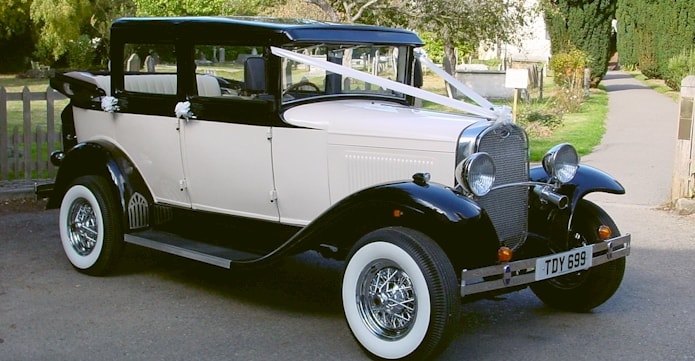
82 227
386 300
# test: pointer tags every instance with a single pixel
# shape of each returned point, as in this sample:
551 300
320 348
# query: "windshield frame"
388 61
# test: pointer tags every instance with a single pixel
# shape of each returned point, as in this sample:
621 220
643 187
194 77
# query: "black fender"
551 224
587 180
102 159
455 222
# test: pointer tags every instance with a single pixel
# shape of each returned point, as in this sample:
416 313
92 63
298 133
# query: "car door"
226 144
145 126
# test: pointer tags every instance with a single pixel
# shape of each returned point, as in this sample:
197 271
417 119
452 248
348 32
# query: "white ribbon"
183 110
503 114
386 83
465 90
109 104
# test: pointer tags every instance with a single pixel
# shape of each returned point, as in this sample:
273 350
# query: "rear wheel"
90 225
400 294
583 291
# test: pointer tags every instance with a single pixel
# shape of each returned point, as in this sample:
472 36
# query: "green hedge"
585 25
651 33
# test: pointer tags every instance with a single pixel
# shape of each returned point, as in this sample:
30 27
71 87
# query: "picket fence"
25 149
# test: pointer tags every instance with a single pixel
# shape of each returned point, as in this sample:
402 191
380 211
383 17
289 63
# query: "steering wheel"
301 84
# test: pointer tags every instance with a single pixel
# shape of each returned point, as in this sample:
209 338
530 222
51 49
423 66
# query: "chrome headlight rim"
561 162
476 174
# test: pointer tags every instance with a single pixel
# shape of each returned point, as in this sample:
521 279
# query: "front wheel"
583 291
90 225
400 294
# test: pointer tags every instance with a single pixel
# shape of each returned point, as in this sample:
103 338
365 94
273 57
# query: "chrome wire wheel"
90 225
400 294
386 300
83 229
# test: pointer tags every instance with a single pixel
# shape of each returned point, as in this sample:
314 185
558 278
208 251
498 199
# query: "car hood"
380 119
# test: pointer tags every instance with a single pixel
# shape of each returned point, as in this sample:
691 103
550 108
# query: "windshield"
301 81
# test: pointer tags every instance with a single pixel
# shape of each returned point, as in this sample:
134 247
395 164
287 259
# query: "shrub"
80 53
568 70
539 119
679 67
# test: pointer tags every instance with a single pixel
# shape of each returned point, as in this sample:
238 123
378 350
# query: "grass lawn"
657 84
583 129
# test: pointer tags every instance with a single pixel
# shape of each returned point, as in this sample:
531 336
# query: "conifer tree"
584 25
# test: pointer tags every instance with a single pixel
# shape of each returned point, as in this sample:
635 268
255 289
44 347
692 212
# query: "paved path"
639 144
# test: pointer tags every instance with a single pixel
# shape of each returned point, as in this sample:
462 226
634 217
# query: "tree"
197 7
62 23
649 44
16 33
457 22
584 24
470 22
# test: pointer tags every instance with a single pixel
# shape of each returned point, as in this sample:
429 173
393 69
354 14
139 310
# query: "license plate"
563 263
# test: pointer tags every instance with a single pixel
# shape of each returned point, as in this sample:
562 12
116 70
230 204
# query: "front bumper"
520 273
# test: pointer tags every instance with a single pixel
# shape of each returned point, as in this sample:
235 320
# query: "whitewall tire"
399 294
90 225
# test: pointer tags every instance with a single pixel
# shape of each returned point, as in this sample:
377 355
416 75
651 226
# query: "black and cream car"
304 135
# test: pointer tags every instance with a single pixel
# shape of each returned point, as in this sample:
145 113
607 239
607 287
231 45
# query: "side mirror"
254 75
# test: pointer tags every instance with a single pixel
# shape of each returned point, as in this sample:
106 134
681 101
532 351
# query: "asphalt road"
160 307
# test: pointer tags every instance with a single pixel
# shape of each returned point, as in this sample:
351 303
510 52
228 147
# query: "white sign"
516 79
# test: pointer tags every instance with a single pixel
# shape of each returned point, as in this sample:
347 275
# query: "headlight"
561 162
476 173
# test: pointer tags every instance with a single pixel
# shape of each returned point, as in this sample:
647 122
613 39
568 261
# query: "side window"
150 68
233 71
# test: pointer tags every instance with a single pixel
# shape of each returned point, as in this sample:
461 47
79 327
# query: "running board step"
199 251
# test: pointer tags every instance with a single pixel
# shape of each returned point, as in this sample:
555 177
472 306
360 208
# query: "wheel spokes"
82 228
387 301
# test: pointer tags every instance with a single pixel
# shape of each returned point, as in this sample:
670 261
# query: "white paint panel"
382 121
135 134
301 173
229 168
354 168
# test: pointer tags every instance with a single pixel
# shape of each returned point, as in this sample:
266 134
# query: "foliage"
80 53
468 23
568 69
585 25
649 44
679 67
61 22
461 24
14 18
294 9
582 128
195 7
539 119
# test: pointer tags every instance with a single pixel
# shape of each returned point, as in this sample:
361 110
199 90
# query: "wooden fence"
25 149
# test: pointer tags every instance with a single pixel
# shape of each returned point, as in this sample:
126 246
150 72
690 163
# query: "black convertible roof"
276 31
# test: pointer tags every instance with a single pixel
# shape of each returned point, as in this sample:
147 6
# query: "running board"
184 247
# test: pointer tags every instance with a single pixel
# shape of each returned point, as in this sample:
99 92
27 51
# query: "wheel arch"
587 180
100 159
456 223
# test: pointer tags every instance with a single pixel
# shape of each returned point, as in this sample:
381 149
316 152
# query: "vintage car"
240 141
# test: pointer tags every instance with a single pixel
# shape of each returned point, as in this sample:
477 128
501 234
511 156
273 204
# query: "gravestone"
133 63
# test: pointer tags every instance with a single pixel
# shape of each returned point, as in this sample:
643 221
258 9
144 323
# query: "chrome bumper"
519 273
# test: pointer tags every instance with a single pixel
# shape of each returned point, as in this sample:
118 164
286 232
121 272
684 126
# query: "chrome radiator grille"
507 207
